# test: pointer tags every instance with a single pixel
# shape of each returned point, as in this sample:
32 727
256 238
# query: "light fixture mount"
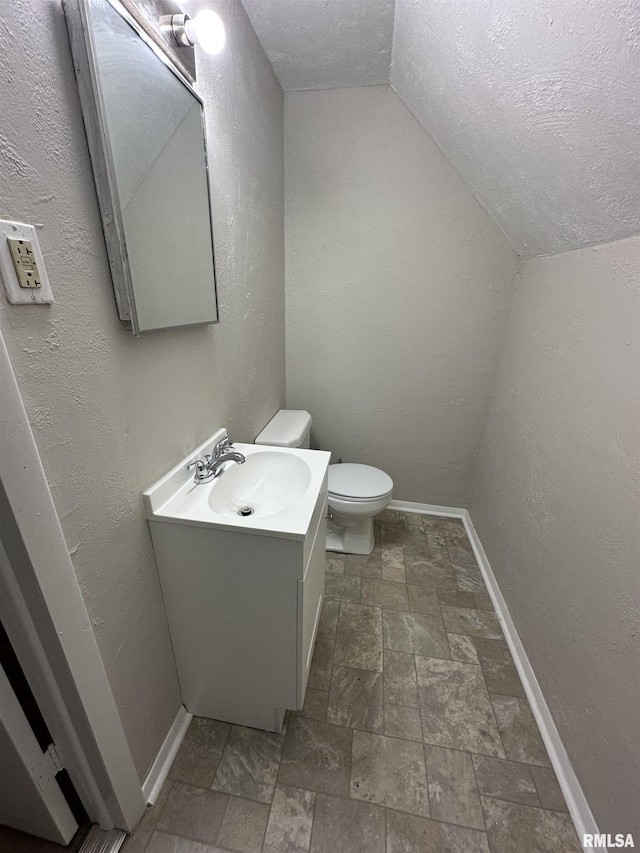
205 29
173 26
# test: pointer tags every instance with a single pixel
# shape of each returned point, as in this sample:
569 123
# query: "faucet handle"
198 464
203 469
224 444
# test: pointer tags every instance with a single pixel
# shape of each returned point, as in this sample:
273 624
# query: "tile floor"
416 736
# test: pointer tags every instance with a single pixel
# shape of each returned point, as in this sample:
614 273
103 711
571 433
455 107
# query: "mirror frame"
77 16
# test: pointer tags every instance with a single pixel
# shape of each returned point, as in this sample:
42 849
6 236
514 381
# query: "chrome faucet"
212 466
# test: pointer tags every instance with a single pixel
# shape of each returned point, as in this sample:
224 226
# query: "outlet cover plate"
17 295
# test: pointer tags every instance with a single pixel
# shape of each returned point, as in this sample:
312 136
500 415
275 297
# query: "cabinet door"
310 595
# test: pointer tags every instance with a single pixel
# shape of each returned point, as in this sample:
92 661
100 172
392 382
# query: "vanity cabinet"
243 611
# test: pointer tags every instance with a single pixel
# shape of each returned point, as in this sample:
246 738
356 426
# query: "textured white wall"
398 291
556 502
112 413
325 44
536 105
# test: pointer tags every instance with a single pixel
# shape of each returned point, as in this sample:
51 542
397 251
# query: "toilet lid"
358 481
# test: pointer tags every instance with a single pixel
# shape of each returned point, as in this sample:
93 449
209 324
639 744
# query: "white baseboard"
164 759
428 509
577 804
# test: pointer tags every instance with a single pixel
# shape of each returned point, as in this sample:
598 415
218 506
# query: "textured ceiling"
325 44
536 104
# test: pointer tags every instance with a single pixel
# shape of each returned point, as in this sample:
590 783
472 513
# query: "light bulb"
207 30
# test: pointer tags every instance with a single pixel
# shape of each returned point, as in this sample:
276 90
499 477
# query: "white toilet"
357 493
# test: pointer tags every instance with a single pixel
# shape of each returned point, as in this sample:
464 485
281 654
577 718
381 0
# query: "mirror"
145 129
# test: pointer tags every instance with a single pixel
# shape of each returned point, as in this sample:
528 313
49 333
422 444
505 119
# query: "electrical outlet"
22 265
24 262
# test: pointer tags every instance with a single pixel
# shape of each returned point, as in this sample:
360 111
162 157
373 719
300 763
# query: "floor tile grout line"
266 826
475 776
535 784
351 765
508 761
426 771
525 805
224 746
313 818
415 672
435 589
415 654
525 700
386 833
189 837
437 819
381 734
463 825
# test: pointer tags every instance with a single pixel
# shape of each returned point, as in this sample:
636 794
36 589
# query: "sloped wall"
398 291
556 502
537 107
112 413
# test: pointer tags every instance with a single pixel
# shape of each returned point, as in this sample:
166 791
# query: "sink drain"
246 510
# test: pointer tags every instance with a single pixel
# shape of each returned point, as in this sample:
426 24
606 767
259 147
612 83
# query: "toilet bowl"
357 492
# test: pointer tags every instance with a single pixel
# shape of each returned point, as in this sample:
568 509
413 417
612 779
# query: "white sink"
267 483
243 594
276 487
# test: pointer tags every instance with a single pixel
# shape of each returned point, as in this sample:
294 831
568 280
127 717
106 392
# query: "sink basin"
277 487
267 483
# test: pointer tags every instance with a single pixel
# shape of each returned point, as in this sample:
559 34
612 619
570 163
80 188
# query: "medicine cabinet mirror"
145 129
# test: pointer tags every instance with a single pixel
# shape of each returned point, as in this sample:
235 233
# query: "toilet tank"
287 429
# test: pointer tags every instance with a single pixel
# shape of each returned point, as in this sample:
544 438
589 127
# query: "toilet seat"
348 499
359 483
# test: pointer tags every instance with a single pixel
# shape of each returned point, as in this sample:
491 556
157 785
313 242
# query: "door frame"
34 800
44 614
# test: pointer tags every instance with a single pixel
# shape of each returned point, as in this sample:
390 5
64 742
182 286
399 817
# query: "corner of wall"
474 477
438 145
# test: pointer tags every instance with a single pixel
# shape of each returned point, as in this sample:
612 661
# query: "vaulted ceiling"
536 104
325 44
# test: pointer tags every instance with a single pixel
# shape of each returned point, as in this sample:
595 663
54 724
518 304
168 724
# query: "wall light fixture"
206 29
